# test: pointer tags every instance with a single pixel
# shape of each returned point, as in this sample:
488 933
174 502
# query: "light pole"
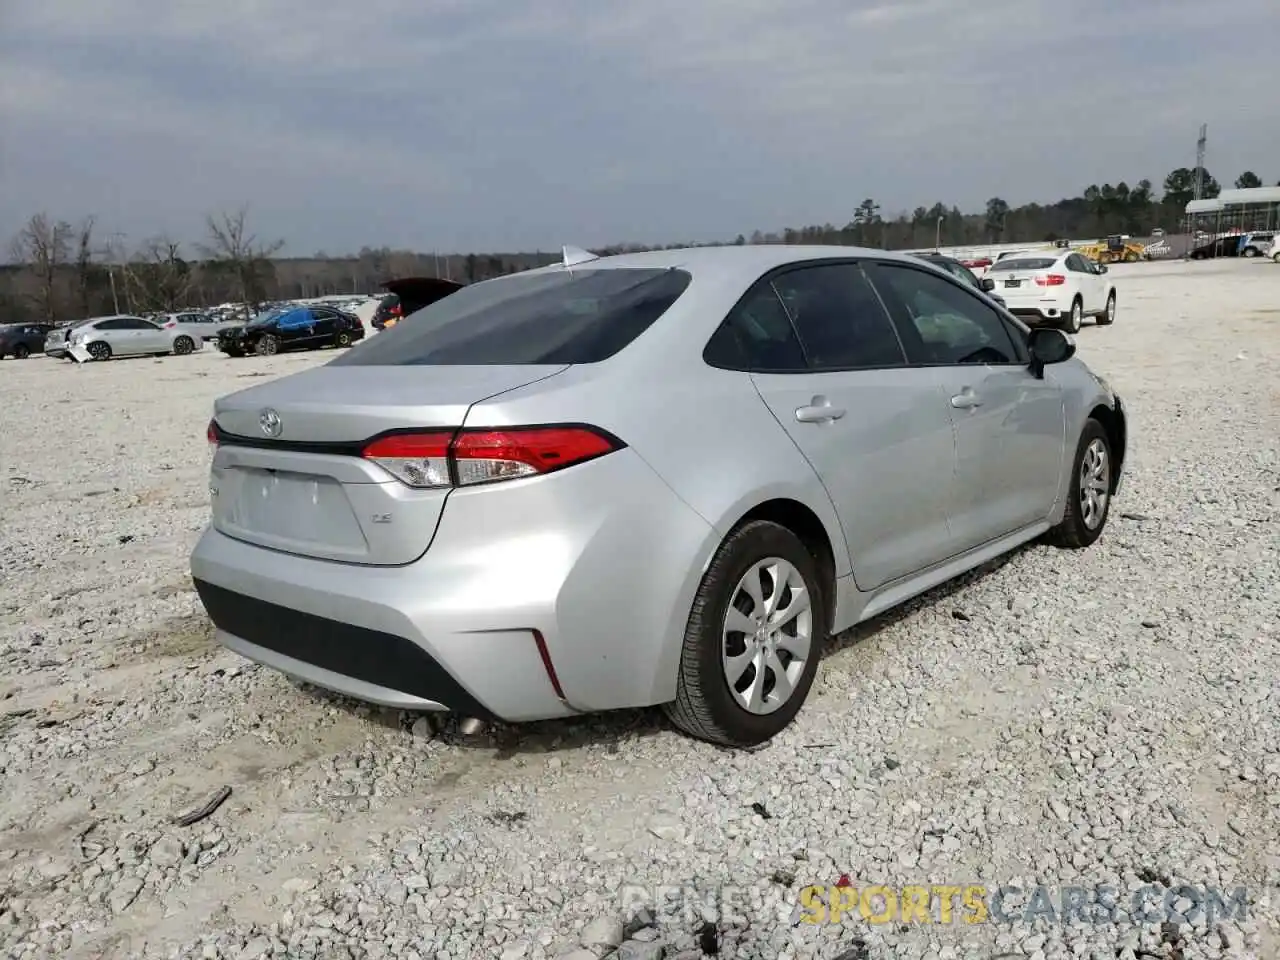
937 235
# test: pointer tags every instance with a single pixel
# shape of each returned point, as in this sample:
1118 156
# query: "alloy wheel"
1095 483
767 636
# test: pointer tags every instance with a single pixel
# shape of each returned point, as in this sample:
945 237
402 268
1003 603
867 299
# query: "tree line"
60 270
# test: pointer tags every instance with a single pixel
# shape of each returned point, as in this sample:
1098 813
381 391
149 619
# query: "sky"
458 125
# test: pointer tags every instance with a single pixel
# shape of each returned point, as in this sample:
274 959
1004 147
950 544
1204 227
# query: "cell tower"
1199 170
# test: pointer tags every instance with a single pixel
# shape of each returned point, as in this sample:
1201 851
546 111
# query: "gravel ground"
1069 719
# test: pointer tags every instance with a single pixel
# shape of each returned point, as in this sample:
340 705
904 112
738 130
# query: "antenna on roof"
572 256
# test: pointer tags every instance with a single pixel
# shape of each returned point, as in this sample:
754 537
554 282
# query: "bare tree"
157 277
237 252
84 266
43 246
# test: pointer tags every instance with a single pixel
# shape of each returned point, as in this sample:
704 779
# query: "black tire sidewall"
262 347
1106 317
1092 430
741 551
21 352
183 345
97 348
344 339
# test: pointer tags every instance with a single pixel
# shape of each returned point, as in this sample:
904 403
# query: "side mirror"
988 284
1102 268
1048 346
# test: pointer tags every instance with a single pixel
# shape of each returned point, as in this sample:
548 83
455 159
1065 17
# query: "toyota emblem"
269 421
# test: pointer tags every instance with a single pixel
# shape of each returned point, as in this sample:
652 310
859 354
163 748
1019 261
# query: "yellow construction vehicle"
1114 249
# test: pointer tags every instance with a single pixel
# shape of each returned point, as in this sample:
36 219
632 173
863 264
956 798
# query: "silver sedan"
657 478
101 338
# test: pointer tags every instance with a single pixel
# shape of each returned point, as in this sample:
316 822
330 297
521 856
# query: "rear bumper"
1048 311
596 566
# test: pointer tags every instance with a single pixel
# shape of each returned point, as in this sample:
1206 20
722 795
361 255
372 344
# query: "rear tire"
268 346
706 705
99 350
1108 315
183 345
343 339
1072 321
1249 252
1085 516
21 352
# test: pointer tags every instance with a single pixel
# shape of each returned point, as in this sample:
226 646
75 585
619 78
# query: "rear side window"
840 320
578 316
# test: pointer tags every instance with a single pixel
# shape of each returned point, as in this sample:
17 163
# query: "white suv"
1059 287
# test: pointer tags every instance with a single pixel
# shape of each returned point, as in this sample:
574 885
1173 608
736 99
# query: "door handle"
819 410
966 400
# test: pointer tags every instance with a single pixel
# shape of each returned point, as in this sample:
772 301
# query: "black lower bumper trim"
372 656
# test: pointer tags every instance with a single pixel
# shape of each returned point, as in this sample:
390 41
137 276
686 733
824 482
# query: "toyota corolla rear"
1034 288
442 519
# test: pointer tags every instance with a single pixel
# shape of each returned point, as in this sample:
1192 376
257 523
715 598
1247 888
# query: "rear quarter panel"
710 438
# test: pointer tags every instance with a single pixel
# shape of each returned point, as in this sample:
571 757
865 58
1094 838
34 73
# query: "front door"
1009 425
833 372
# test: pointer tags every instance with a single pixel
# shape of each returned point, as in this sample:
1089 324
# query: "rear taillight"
445 458
1051 280
211 434
170 324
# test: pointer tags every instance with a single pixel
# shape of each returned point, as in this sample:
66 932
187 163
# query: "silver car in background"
101 338
656 478
200 325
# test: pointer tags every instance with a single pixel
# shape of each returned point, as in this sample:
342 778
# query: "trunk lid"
297 482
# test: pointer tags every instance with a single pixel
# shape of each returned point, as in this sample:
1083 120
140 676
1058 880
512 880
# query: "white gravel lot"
1104 717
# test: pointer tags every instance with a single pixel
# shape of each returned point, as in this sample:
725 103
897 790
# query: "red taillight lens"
1051 280
467 457
211 434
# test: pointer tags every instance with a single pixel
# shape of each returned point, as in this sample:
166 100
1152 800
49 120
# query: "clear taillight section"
439 458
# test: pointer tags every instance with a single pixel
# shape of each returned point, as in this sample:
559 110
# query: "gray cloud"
496 124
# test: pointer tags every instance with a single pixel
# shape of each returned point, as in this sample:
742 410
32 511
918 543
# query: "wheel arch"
1116 429
808 526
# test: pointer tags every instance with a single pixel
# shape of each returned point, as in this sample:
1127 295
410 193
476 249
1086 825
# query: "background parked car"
101 338
196 324
388 314
962 273
291 328
1059 287
1257 244
20 340
409 295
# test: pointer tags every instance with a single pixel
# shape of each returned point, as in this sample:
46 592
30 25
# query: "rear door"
1009 425
327 323
826 360
1086 282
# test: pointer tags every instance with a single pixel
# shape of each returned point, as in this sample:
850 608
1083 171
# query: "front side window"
944 324
563 316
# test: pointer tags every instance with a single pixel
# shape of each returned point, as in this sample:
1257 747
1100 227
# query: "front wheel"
1089 496
753 639
1108 316
268 346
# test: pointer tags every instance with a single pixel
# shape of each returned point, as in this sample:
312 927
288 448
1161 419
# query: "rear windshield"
579 316
1026 264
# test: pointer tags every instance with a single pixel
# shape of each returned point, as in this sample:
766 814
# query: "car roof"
735 262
